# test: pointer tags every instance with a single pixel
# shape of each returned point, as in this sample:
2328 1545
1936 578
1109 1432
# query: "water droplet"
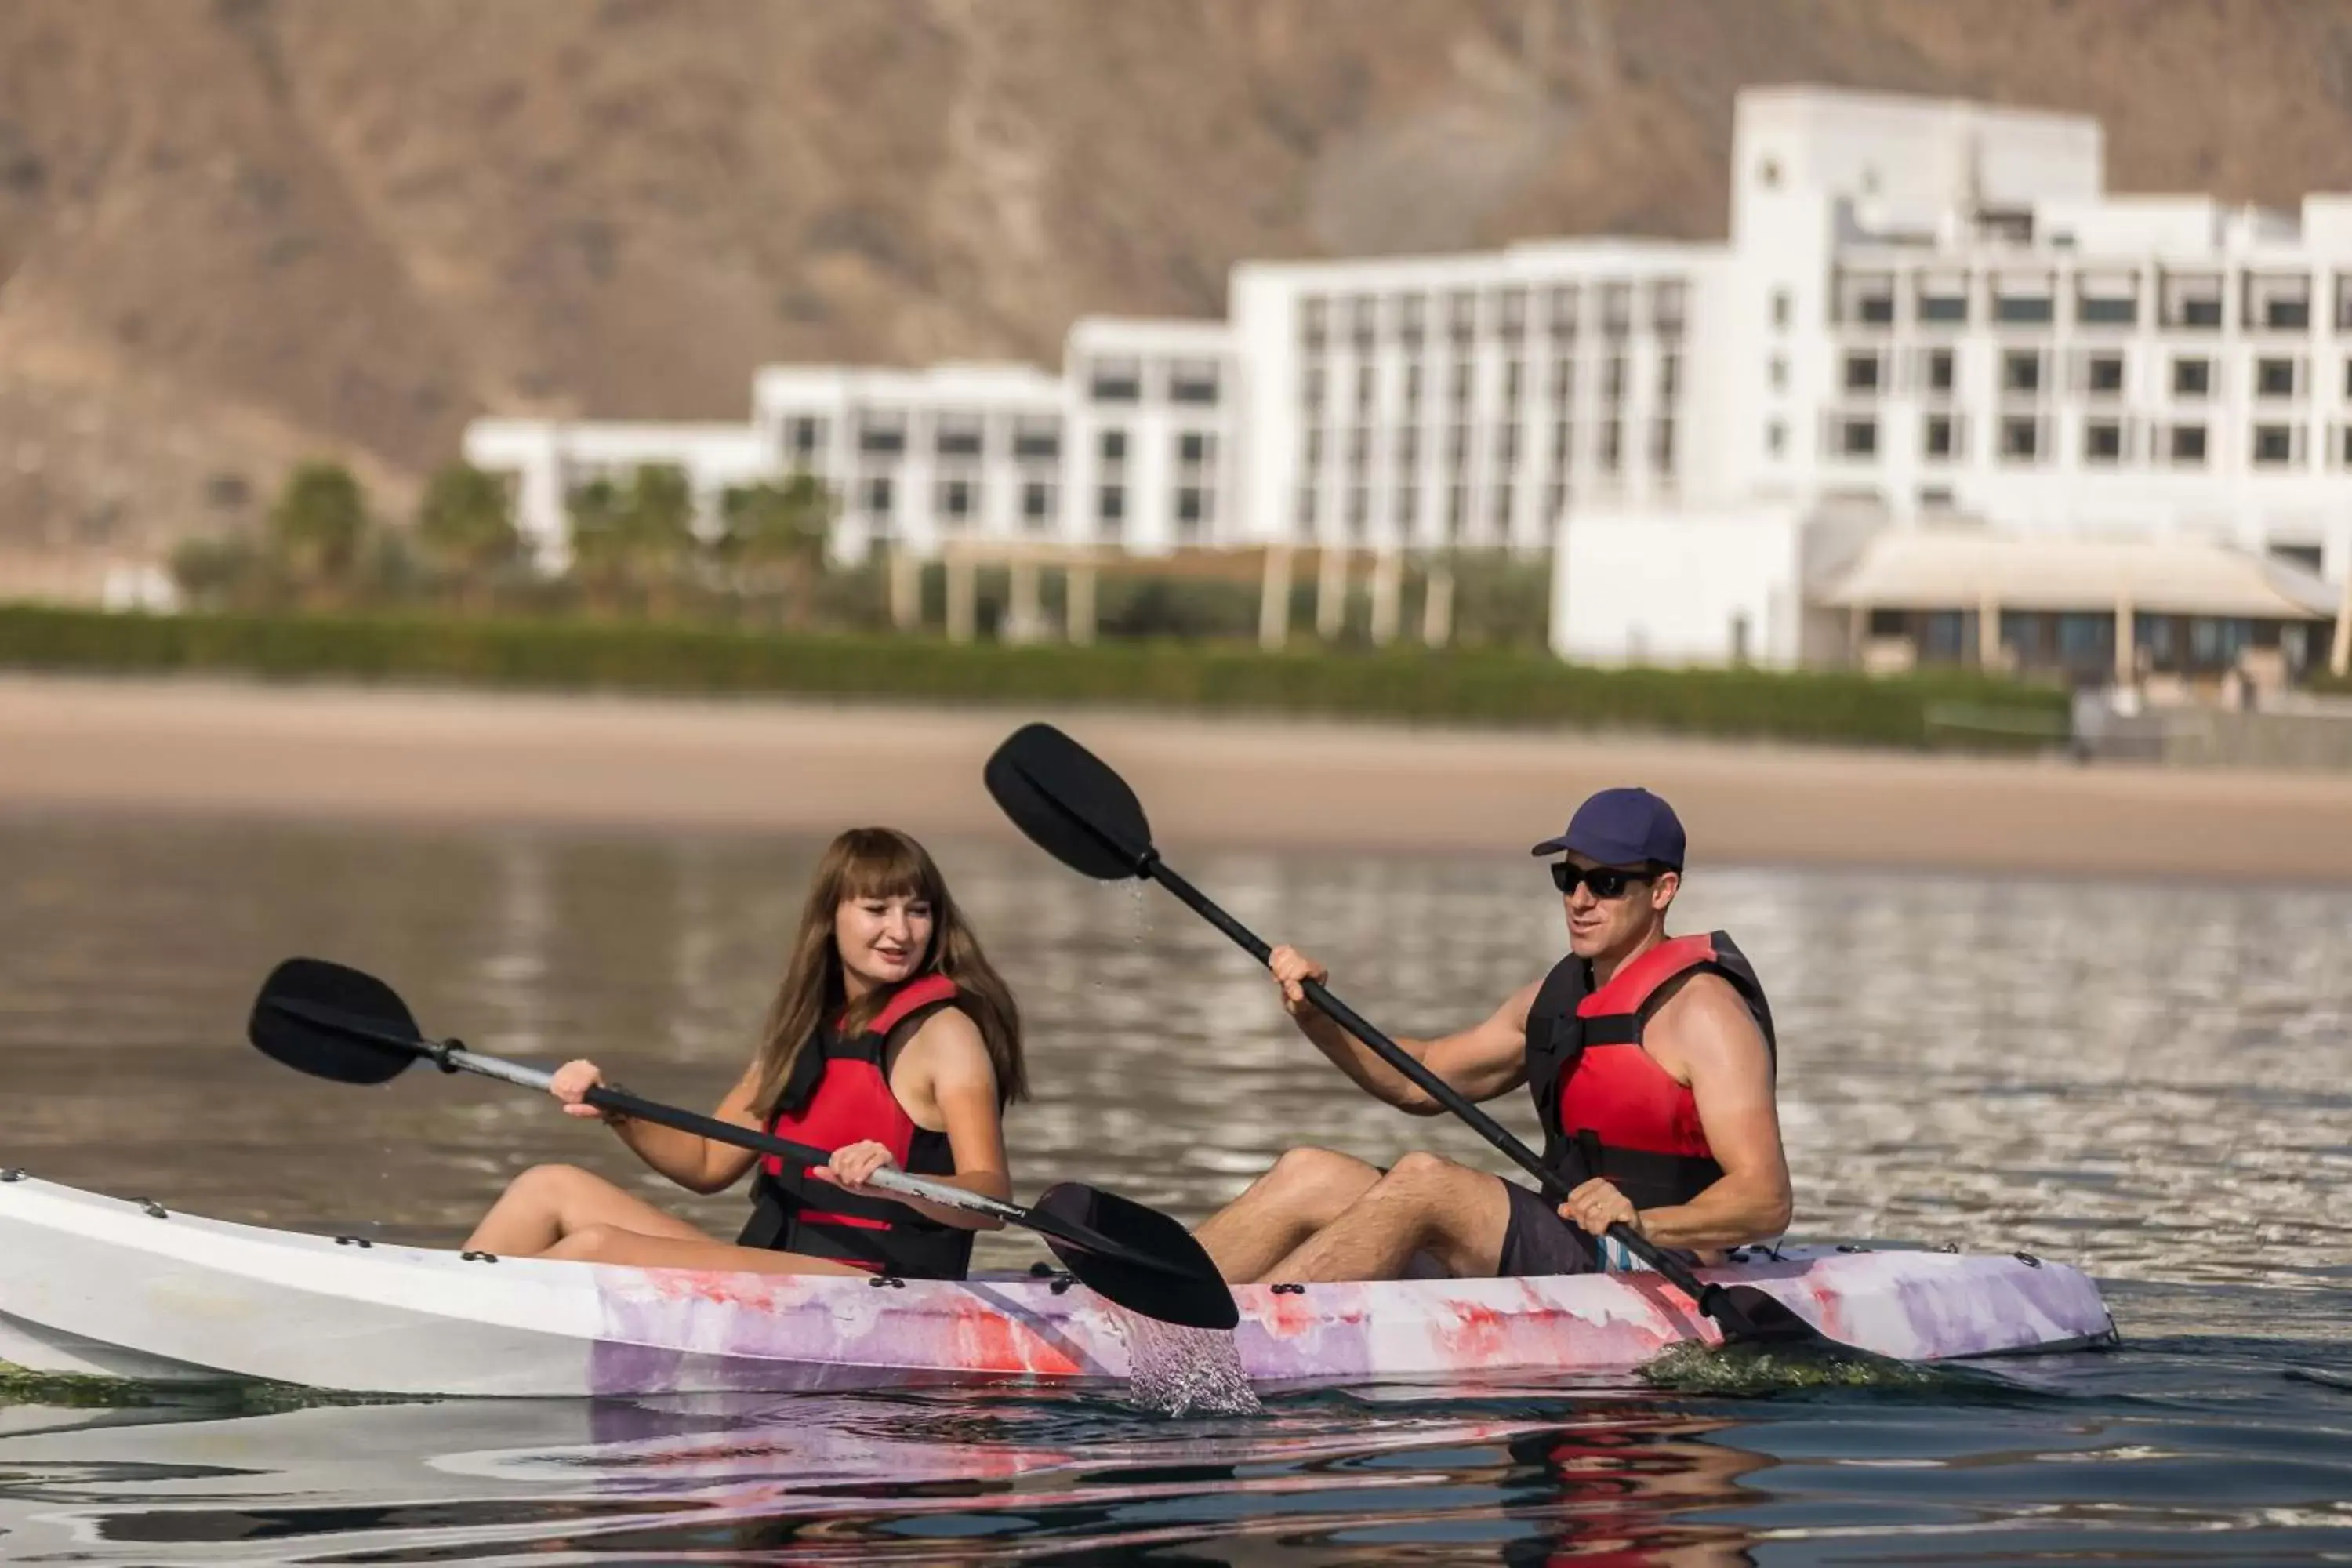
1180 1371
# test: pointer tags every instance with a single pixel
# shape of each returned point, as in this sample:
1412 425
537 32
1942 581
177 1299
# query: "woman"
891 1042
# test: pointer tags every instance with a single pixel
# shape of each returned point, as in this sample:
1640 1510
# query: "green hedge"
1477 688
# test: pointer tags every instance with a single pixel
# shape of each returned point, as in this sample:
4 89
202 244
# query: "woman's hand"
571 1085
1292 969
854 1164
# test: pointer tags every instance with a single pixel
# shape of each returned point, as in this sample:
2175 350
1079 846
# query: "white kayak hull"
92 1284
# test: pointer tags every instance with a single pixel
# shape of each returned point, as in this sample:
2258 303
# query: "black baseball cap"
1621 827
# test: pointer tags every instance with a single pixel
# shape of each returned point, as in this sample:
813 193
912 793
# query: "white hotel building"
1924 310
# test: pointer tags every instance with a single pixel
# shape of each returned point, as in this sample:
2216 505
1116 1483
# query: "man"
1651 1060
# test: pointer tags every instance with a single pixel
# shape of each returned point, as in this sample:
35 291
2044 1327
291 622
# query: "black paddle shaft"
1667 1267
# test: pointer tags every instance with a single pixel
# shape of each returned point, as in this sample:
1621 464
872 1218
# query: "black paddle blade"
1184 1288
1750 1316
331 1021
1070 802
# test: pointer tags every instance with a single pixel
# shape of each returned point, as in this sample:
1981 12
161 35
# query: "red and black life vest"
839 1093
1608 1108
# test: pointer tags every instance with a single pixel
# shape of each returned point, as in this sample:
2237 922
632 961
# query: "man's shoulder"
1701 1006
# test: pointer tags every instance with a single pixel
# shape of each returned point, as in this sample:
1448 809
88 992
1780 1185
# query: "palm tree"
774 538
318 528
467 526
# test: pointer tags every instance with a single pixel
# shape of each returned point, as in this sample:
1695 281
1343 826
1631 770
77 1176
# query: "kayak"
92 1283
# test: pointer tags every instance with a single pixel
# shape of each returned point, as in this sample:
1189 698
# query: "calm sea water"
2149 1080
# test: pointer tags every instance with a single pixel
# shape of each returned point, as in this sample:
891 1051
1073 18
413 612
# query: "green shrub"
1464 687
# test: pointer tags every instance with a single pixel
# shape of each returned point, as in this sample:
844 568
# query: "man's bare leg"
1304 1191
1424 1203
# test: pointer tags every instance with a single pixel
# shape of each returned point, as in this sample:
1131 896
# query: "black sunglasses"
1606 881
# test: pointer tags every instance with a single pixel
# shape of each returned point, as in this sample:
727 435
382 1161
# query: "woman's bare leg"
613 1244
548 1202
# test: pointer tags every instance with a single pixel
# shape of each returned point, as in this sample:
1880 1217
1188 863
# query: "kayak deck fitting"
98 1284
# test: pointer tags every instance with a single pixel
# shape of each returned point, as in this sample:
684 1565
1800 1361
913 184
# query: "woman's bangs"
884 867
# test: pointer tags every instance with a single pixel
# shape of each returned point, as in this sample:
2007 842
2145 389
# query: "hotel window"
1776 436
2106 300
1408 504
1192 380
2277 302
1192 509
1563 382
1111 507
1408 447
1360 449
1613 379
2186 445
1662 446
1116 379
1462 318
1866 298
1939 436
1461 386
956 436
1853 437
884 436
1782 308
1513 373
1111 447
2103 441
1563 311
804 438
1195 447
1364 323
1563 442
1861 373
2275 445
1411 390
1555 501
1311 389
2021 440
2023 302
955 498
2277 377
1306 506
1777 373
1502 503
1359 511
1365 386
1612 454
1511 312
1037 502
2192 378
1457 507
2191 300
1506 445
1315 449
1941 299
1036 440
1457 448
1670 369
1409 312
2103 374
1616 308
1938 372
1313 314
2343 445
2020 370
1667 301
879 496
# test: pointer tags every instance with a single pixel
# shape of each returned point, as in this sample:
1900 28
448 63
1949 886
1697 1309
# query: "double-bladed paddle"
1078 810
334 1022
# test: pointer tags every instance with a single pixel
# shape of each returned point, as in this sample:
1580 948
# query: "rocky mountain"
237 232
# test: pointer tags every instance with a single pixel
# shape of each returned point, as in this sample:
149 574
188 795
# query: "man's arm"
1479 1063
1718 1045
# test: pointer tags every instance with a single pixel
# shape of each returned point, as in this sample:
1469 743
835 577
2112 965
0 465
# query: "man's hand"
1596 1205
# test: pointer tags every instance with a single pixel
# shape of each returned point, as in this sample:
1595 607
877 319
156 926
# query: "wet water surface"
2148 1081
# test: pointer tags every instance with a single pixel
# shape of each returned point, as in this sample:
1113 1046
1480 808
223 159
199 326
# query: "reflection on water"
2146 1080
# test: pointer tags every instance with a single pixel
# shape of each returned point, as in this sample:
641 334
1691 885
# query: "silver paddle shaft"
897 1182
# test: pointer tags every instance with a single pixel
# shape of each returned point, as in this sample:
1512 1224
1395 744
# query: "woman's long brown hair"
881 863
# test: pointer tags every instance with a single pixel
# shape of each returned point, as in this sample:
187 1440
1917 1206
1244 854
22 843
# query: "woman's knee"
1319 1173
587 1244
544 1180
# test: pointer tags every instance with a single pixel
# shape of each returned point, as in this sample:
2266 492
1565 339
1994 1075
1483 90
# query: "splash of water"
1177 1370
1754 1371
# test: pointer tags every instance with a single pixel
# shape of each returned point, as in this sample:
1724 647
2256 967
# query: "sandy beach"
175 746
